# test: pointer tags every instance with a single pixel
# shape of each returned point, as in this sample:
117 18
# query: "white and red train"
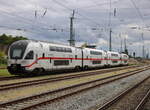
29 57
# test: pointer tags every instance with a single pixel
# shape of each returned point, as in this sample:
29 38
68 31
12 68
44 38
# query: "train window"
29 55
17 53
76 56
63 50
52 48
96 62
17 49
115 55
95 53
68 50
60 49
57 49
114 61
61 62
125 56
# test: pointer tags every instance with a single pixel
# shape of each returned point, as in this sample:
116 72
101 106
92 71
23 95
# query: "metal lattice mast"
72 35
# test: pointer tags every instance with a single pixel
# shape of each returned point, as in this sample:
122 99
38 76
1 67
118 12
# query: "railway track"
59 78
120 100
3 78
32 102
143 101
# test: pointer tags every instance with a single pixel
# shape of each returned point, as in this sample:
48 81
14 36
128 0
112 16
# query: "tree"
3 60
8 39
2 55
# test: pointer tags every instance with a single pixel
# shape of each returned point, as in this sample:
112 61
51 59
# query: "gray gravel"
97 96
132 98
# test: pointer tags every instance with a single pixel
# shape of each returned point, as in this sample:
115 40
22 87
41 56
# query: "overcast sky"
49 20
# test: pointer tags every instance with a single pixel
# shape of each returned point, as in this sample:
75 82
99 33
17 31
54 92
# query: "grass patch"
3 66
4 72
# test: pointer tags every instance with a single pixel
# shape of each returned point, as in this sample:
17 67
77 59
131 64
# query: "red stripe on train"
60 58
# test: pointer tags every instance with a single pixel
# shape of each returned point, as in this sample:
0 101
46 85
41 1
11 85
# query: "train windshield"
17 49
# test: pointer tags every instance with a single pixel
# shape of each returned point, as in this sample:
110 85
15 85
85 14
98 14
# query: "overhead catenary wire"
26 20
83 16
31 23
138 11
142 19
20 29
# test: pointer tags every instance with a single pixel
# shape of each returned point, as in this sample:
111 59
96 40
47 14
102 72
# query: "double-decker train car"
94 58
30 57
114 58
124 59
27 56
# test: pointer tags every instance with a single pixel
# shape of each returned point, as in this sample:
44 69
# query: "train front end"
18 57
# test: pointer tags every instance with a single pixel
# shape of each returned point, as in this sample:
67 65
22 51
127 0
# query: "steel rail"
143 101
3 78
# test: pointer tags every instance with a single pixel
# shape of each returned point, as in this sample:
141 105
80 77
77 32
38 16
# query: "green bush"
3 60
8 39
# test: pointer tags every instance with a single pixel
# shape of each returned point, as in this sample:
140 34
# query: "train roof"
113 52
47 42
94 49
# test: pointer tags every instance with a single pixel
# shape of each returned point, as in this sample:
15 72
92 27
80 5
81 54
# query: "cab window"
29 55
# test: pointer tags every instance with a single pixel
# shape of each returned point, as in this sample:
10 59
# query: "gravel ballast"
98 96
37 89
133 98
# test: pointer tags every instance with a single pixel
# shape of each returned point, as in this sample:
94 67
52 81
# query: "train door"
106 59
71 63
51 61
37 64
78 58
85 58
82 62
109 61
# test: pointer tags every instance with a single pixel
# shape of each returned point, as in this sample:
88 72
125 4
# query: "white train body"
94 58
114 58
124 59
28 56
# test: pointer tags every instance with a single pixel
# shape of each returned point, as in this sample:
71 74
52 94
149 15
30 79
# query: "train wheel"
86 68
77 68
